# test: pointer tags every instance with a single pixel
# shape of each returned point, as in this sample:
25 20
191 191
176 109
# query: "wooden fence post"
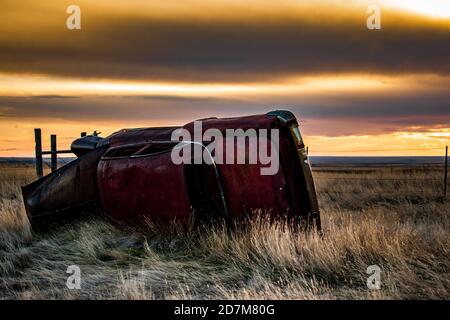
38 150
54 153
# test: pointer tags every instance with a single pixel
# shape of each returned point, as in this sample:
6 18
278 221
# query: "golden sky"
145 63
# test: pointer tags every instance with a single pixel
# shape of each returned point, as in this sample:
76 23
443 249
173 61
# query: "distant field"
318 161
393 217
376 161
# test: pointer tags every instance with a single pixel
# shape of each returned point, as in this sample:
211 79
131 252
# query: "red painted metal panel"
132 189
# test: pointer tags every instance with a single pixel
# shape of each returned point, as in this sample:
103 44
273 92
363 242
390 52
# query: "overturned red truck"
132 175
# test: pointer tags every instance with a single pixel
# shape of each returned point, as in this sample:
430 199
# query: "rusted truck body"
130 177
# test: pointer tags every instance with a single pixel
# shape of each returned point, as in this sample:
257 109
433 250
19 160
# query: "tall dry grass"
402 226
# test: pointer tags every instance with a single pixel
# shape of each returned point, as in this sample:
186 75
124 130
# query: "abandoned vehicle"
131 175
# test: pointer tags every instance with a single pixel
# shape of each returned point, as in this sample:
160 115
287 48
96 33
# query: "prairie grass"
395 222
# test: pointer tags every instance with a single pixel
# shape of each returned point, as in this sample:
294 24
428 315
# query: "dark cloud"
132 46
209 50
347 115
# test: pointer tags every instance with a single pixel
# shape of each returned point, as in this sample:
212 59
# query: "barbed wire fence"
371 179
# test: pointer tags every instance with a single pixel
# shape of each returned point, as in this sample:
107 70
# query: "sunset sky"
141 63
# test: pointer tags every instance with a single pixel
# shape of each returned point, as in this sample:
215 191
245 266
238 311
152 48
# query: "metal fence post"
445 172
38 151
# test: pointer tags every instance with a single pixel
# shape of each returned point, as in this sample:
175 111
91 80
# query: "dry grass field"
396 222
